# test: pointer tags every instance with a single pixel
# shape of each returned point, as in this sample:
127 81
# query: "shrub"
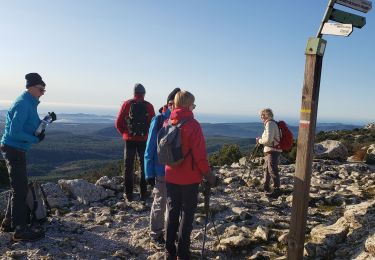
227 154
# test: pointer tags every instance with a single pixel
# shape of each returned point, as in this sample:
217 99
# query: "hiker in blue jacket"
154 172
21 122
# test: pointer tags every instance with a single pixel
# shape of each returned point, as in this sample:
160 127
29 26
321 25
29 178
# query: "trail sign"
359 5
338 29
344 17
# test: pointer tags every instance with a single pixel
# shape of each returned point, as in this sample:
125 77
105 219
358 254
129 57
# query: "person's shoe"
276 193
27 234
128 197
158 241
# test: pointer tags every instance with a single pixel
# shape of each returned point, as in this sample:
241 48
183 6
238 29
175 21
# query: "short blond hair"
266 112
184 99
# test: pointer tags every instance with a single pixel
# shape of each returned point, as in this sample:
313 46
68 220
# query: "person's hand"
211 178
53 116
41 136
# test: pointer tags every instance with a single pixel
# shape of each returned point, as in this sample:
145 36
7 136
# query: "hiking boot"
275 194
128 197
158 241
27 234
6 225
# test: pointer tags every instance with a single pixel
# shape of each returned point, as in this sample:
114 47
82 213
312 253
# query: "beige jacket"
270 136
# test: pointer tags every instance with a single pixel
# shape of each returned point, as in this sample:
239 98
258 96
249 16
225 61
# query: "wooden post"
306 135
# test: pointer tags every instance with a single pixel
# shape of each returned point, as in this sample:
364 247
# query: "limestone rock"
370 159
115 183
84 191
370 244
4 196
330 149
55 195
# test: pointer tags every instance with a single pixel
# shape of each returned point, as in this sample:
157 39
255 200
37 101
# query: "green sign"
348 18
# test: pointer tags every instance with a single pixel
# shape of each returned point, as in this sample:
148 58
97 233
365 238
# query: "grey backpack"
37 202
170 145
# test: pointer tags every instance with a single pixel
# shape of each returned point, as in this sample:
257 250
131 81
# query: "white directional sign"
360 5
337 29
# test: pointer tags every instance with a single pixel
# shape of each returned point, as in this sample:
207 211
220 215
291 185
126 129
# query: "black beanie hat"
173 93
33 79
139 89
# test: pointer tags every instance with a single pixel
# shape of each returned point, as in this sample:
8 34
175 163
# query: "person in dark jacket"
182 181
156 171
21 122
132 123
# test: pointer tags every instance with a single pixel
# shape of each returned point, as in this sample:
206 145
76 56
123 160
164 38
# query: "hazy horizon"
202 117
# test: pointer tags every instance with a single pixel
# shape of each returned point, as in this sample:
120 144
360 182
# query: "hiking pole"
206 193
251 157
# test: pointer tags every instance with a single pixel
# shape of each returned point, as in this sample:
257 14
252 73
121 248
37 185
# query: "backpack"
37 202
137 121
169 143
286 137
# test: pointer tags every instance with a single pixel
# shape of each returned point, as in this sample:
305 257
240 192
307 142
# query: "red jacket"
124 113
191 170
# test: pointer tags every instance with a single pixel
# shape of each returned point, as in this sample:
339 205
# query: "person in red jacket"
133 122
182 181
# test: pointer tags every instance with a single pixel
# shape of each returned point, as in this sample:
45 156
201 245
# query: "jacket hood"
181 113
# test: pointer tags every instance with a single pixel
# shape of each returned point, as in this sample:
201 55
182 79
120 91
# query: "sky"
236 57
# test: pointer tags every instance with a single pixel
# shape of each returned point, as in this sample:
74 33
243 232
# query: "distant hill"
80 142
239 130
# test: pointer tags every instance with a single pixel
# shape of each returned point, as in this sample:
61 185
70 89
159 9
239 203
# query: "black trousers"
16 164
181 199
131 148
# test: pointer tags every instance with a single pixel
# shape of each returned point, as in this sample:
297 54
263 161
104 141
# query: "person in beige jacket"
270 138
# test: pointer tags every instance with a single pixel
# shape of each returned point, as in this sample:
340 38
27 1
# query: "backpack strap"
45 200
189 152
278 141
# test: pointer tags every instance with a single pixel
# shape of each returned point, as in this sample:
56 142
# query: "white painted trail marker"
338 29
359 5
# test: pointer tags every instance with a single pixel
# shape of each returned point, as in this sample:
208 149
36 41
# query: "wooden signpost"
338 29
308 115
359 5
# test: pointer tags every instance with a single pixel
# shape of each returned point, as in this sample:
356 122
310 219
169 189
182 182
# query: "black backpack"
137 121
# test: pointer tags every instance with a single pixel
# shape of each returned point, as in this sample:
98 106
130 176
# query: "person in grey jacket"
269 139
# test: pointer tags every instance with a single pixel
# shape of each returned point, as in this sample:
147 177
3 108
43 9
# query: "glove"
41 136
151 182
211 178
53 116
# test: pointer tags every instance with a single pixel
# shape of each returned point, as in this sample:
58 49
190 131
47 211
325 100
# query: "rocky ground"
94 222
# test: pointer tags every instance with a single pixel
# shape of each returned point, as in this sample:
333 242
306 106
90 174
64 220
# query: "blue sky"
236 57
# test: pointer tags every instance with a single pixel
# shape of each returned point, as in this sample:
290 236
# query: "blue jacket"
152 166
21 122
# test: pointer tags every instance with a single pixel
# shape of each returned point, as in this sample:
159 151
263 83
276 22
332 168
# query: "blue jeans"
16 164
182 200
